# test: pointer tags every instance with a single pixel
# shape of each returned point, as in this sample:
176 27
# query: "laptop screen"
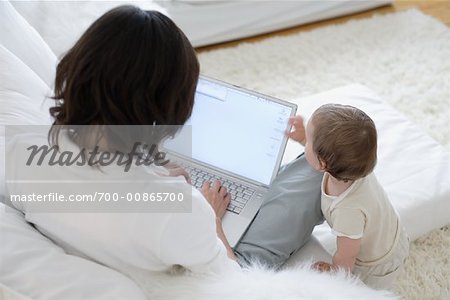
238 131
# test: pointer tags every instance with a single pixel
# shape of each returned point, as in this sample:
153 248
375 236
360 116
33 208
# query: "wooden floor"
438 9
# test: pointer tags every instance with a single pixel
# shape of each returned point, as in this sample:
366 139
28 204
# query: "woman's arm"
223 238
219 199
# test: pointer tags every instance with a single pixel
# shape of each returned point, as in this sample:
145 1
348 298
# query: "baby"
341 141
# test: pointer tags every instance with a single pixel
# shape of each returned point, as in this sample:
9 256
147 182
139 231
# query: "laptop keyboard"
240 194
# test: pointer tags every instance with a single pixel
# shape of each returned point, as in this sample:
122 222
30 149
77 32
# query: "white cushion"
27 70
23 100
34 266
9 294
20 38
412 167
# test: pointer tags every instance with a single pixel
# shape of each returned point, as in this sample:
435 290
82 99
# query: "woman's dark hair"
345 139
130 67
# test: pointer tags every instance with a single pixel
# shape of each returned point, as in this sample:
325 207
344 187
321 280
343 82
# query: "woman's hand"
298 133
217 197
175 170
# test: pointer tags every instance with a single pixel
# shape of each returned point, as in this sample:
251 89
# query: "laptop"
238 137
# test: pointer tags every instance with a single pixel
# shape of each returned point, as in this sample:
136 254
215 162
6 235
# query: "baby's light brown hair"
345 139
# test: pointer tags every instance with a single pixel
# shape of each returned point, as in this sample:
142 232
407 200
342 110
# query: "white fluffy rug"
404 57
258 284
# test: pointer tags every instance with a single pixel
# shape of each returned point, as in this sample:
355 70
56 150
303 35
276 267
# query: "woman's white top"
146 241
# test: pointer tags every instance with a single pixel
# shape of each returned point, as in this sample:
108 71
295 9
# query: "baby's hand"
298 132
322 266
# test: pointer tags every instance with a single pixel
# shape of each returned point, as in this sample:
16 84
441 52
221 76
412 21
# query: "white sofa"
205 22
33 266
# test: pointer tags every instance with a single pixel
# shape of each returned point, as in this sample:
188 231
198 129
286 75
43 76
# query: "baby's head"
341 140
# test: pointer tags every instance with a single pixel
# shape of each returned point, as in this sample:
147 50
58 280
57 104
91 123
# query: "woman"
134 67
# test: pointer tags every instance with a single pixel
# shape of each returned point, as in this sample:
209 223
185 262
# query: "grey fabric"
287 217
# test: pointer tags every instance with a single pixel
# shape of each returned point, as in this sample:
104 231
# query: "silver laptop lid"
237 131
